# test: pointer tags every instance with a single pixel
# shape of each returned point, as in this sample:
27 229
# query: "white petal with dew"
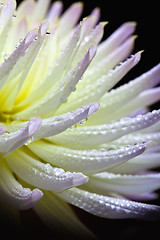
118 97
140 163
9 142
13 192
136 184
115 40
108 207
54 125
91 136
42 175
86 161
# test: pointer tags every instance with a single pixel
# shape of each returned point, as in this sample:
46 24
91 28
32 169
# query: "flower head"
52 79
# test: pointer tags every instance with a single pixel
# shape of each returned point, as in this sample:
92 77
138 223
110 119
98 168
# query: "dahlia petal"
60 215
6 13
55 11
59 68
69 18
42 175
96 14
9 63
90 161
91 136
144 99
136 184
20 70
116 98
138 137
115 40
102 82
143 197
9 142
26 8
109 207
139 164
40 10
51 101
102 67
12 191
54 125
93 37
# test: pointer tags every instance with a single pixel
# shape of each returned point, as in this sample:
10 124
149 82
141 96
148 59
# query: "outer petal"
90 161
54 125
55 11
91 136
5 17
143 100
42 175
9 142
138 137
118 97
139 164
115 40
69 18
12 191
109 207
125 184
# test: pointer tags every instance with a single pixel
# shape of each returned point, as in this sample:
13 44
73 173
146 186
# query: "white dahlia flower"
52 78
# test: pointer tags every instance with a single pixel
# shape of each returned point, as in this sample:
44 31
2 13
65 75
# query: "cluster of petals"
66 135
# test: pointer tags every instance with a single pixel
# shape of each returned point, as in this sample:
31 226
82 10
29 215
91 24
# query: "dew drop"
84 121
73 127
6 55
28 142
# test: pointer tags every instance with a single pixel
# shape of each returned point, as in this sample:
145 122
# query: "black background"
146 14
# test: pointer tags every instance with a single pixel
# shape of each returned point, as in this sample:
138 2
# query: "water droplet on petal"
28 142
84 121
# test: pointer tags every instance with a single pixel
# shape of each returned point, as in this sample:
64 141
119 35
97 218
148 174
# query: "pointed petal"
12 191
116 98
91 136
40 10
5 17
136 184
9 142
69 18
54 125
144 99
138 137
88 162
143 197
42 175
115 40
139 164
108 207
55 11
